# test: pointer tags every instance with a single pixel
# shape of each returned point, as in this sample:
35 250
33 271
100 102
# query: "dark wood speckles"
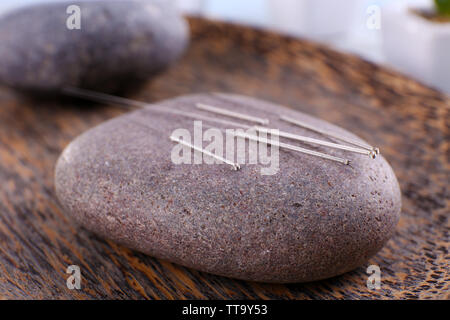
407 120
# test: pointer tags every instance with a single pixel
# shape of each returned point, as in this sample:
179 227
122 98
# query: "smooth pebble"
311 220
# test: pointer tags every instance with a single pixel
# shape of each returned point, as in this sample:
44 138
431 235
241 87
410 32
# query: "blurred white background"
341 24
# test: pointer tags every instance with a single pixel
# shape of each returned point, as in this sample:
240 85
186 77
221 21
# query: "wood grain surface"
410 123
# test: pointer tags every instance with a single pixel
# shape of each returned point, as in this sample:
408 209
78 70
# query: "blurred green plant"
443 7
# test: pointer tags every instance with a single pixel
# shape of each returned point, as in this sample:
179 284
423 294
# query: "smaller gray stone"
120 45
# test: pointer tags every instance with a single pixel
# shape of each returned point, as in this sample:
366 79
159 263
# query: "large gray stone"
313 219
120 44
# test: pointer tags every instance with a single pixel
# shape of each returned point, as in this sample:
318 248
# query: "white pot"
312 18
416 46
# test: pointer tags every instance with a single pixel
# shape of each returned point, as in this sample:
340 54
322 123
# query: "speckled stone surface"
314 219
120 44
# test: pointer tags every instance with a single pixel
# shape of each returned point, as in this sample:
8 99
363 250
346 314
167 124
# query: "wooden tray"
407 120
